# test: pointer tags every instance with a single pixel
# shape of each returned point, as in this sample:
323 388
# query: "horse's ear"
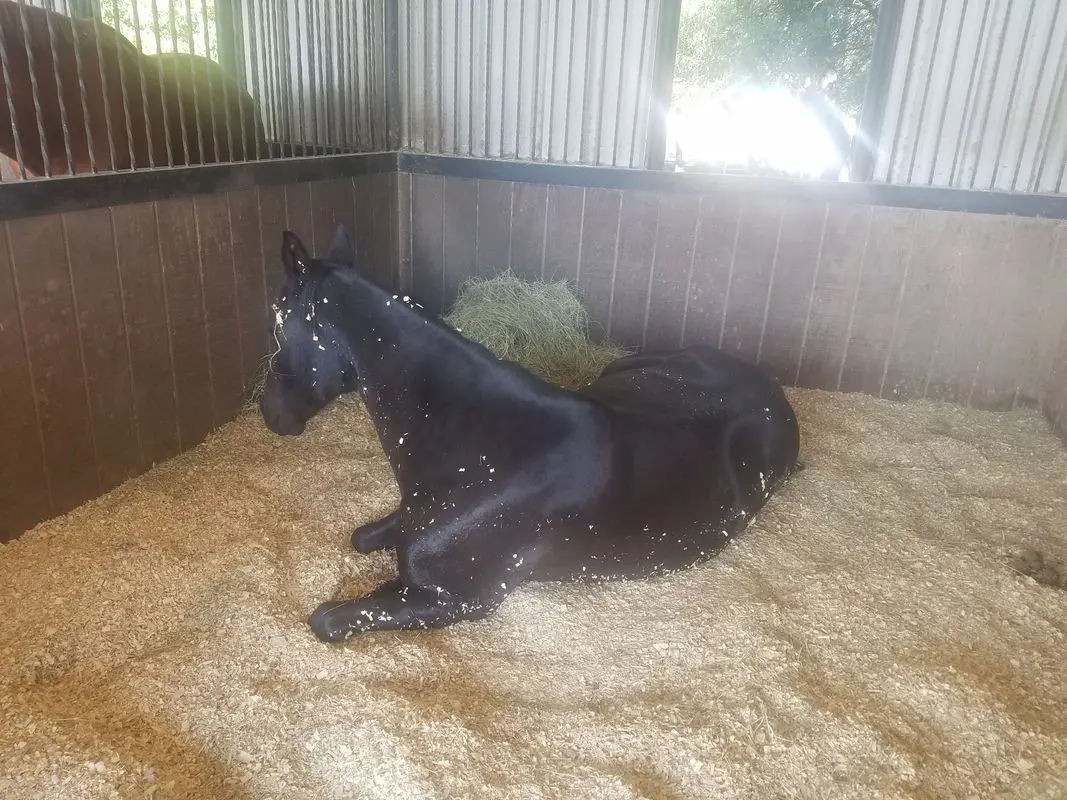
294 255
341 251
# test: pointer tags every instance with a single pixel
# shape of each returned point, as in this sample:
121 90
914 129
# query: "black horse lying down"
504 478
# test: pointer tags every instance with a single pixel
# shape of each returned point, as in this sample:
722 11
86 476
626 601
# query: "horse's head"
309 365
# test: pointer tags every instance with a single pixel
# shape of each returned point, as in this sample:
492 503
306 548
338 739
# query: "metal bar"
320 122
536 138
46 160
662 81
504 48
992 90
392 75
104 92
359 73
618 98
82 93
926 94
368 48
211 94
192 71
178 83
162 89
279 60
470 89
587 79
1012 96
518 93
455 81
427 80
1033 103
122 83
299 76
6 67
640 81
970 103
59 92
339 74
876 93
237 21
229 24
904 92
488 69
602 83
439 105
567 87
948 92
552 87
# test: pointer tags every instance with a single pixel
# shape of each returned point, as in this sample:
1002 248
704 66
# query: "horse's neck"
413 370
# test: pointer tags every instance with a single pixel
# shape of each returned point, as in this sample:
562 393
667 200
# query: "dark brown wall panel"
154 395
299 215
250 281
383 225
563 233
363 222
713 259
404 230
529 211
427 240
102 325
790 292
24 492
637 247
672 271
188 328
750 280
596 267
39 257
273 219
494 227
221 314
830 314
460 240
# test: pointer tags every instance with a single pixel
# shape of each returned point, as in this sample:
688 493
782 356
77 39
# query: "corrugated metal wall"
544 80
976 97
318 69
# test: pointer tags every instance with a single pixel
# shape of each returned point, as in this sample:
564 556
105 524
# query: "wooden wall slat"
427 241
323 221
188 326
885 262
154 393
248 267
934 269
404 231
221 313
529 212
363 222
299 215
393 244
273 220
494 227
1011 371
750 281
712 262
834 296
460 234
790 291
1053 321
596 270
383 194
101 320
39 259
672 267
24 491
637 247
563 232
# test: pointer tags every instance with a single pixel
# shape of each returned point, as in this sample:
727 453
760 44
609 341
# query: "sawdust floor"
868 637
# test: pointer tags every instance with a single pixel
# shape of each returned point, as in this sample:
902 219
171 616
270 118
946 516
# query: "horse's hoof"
329 622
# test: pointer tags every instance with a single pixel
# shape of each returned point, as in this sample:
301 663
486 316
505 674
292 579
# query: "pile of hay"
540 325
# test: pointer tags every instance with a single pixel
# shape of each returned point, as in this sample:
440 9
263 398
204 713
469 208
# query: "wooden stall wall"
895 302
128 333
1056 390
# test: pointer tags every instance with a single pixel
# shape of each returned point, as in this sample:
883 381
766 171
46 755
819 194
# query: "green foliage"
153 18
791 43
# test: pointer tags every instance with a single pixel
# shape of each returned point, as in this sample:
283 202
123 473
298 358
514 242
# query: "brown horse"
122 109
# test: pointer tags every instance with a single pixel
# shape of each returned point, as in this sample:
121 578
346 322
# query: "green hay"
539 325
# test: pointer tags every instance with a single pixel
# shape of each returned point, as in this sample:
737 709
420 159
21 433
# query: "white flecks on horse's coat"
462 469
322 348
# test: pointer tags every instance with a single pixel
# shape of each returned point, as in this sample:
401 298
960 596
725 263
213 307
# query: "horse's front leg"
377 535
394 606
